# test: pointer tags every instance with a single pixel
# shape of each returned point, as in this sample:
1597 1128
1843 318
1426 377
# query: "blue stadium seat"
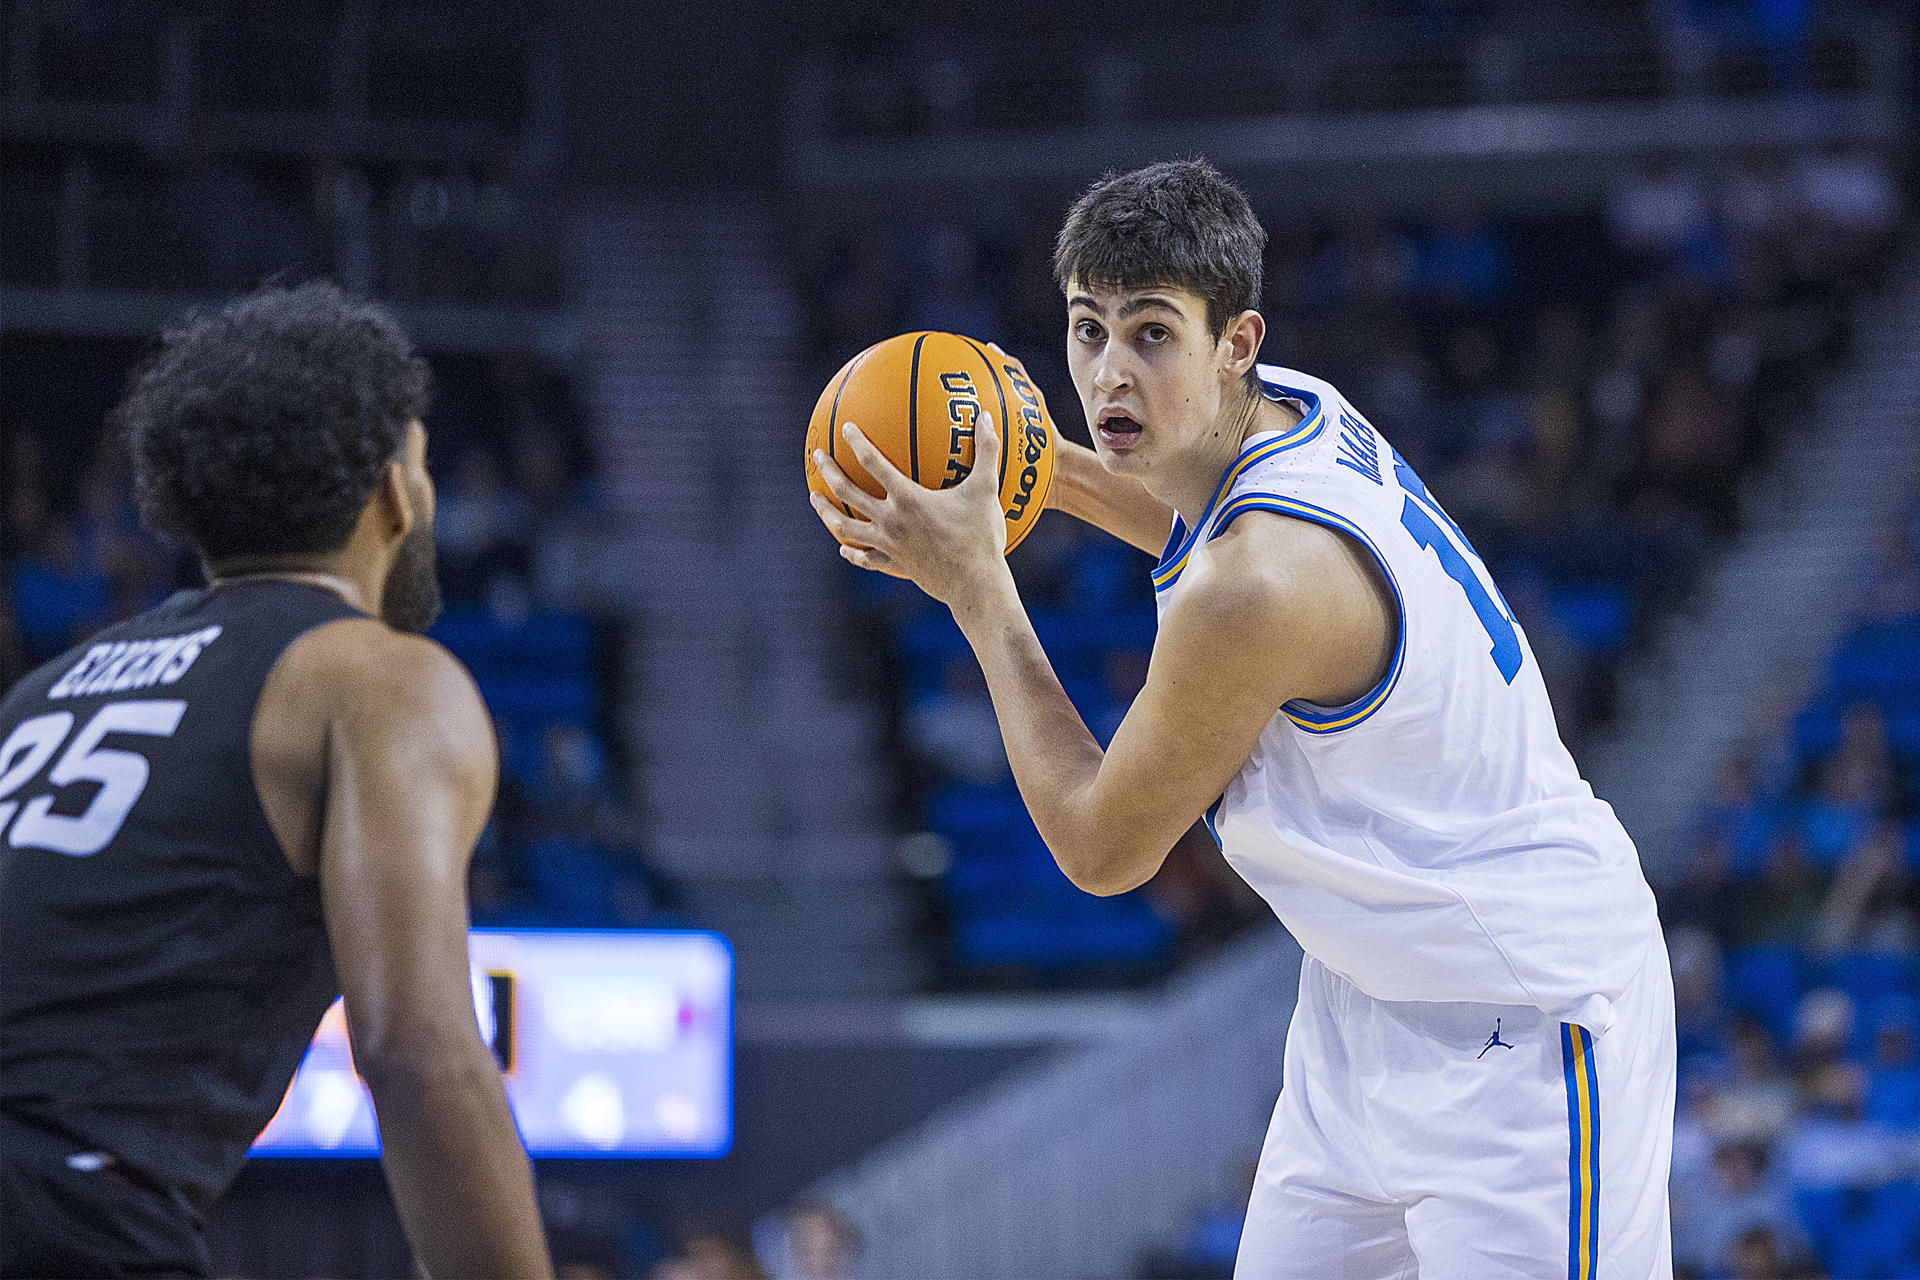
1596 615
549 642
532 675
1903 734
1073 640
1816 731
1893 1097
929 638
963 807
1878 662
542 700
1879 1242
1064 935
1764 982
1825 1214
1868 975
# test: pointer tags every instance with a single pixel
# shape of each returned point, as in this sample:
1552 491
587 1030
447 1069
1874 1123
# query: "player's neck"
1215 453
317 571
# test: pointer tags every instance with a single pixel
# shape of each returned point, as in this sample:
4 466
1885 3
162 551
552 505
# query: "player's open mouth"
1118 431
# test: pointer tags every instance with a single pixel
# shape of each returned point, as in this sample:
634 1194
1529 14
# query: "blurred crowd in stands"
189 219
1796 947
402 154
1585 394
510 452
806 1240
1155 63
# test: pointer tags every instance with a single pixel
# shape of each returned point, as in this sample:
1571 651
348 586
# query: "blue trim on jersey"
1310 716
1181 542
1175 540
1210 817
1583 1151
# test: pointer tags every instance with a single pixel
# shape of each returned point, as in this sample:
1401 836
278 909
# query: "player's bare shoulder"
1271 580
358 684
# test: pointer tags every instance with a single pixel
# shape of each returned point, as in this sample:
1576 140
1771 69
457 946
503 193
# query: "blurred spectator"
1700 1013
1659 209
1739 1194
1853 787
1366 260
952 297
954 727
1462 260
1757 1255
810 1241
1831 1144
1822 1026
480 525
1737 815
1784 902
1850 195
1867 909
1893 1079
1694 447
59 597
709 1257
1756 1101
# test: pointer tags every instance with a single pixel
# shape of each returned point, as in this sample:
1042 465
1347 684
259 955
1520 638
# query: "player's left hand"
948 541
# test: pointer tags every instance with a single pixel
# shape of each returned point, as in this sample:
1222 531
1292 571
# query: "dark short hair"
260 428
1178 222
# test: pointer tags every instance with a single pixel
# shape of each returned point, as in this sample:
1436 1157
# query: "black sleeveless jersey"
162 967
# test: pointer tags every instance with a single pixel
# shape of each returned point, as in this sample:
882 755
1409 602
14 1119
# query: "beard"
410 598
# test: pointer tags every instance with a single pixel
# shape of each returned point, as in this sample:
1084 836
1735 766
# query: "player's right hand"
948 541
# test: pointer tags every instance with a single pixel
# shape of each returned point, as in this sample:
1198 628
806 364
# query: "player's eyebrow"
1130 307
1144 302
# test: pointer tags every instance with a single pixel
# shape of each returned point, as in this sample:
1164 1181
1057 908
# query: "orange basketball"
917 396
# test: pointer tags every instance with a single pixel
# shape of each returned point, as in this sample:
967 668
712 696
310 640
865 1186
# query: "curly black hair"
1178 222
259 428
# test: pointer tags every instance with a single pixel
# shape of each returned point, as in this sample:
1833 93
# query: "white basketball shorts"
1466 1140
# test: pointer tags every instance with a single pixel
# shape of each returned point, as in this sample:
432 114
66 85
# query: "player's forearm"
1116 504
1055 760
459 1175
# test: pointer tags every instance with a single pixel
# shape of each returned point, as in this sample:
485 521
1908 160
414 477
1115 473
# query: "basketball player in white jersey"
1479 1073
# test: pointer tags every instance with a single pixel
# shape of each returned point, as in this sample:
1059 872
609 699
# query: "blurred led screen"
612 1044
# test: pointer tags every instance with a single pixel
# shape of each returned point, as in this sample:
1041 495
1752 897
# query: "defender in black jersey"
220 814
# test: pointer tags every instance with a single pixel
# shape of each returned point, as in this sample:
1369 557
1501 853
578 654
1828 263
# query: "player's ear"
394 500
1241 343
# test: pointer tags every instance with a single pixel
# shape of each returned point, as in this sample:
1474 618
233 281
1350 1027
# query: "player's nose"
1110 372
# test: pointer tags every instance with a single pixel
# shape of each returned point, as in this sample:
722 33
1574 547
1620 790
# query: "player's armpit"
1276 610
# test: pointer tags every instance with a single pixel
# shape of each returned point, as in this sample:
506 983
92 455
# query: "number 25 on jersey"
120 774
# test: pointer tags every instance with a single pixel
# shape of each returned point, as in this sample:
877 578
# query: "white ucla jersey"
1431 840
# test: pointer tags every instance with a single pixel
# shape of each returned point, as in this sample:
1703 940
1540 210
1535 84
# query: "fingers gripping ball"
917 397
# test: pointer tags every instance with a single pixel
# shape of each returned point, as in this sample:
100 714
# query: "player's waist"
28 1138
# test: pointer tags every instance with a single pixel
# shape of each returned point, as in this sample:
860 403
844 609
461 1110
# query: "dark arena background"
1633 283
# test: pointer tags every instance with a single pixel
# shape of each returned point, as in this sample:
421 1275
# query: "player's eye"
1156 333
1086 331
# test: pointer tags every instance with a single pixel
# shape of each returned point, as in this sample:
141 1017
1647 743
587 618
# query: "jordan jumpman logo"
1493 1040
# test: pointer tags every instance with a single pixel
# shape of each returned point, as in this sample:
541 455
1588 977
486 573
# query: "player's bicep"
410 776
